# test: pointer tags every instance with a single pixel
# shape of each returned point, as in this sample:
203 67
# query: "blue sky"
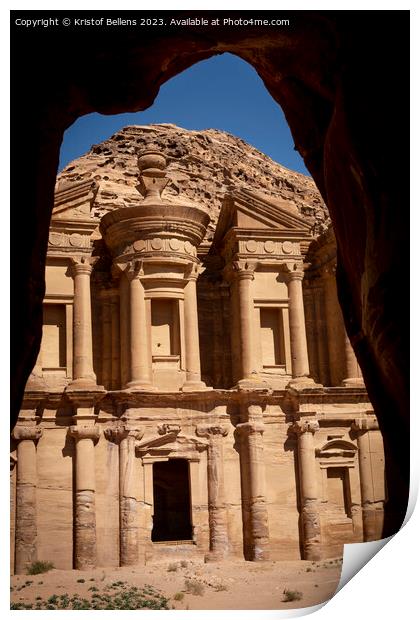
223 92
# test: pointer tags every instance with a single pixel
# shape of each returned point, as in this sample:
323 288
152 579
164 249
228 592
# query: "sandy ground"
230 585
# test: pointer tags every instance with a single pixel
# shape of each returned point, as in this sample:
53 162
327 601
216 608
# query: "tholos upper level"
141 302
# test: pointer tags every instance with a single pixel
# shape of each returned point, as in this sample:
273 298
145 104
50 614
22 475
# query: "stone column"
124 329
115 341
244 274
192 344
343 364
140 354
321 335
298 344
26 523
309 510
334 325
106 339
83 375
126 437
253 475
85 514
370 508
352 374
216 492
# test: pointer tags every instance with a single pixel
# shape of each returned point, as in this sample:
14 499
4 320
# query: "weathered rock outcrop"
330 72
202 165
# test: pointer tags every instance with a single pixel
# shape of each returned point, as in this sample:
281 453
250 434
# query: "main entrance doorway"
171 501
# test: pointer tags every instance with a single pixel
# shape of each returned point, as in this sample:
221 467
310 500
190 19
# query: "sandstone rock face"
203 165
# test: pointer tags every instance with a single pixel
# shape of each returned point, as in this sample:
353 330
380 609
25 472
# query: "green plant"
291 595
40 567
172 568
194 587
220 587
123 598
179 596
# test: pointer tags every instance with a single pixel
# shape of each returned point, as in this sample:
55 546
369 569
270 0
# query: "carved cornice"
21 433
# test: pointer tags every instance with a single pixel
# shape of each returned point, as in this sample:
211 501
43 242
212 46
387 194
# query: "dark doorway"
171 500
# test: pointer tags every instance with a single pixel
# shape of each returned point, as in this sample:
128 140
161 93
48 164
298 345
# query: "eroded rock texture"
202 167
330 72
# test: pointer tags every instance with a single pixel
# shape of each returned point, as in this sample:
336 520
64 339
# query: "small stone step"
172 551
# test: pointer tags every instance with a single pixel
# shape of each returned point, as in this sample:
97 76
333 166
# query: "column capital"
121 431
305 426
84 432
212 430
134 269
294 271
167 429
82 264
360 425
250 428
244 270
192 271
26 432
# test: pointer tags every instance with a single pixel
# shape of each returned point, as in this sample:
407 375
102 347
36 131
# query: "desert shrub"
172 568
80 581
179 596
220 587
291 595
184 564
194 587
128 598
40 567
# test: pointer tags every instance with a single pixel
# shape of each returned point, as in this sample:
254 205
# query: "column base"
253 384
300 383
36 383
84 385
140 386
353 382
195 386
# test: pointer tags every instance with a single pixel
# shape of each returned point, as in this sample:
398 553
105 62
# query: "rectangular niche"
53 347
165 328
272 340
338 490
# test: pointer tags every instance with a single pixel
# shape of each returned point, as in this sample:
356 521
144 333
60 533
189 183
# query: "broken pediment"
250 210
74 200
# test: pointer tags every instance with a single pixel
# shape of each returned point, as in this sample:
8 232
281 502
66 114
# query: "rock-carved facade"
190 392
